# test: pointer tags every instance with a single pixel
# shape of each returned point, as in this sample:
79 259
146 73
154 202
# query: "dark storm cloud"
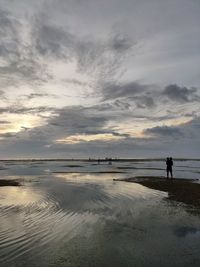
181 94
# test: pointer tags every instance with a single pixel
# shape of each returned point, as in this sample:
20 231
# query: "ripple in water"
34 218
85 218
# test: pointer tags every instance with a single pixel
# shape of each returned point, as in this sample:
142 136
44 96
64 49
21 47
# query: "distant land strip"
96 159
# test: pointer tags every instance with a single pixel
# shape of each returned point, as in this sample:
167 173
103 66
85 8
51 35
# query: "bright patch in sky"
15 123
88 138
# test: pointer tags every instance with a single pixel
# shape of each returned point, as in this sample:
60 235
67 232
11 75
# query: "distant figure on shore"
169 164
99 161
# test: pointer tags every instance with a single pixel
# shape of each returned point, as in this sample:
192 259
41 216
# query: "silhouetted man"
169 163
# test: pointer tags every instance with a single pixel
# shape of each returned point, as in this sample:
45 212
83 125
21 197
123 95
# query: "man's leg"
171 173
167 173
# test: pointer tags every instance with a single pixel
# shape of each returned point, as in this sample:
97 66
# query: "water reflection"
186 230
90 220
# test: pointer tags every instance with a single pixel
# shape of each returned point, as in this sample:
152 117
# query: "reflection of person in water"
169 163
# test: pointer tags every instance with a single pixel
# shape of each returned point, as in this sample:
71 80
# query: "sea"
75 213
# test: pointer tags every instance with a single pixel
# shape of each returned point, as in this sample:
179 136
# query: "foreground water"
74 214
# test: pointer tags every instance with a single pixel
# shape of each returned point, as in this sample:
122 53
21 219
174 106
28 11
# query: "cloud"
18 61
131 95
164 131
122 105
107 69
38 95
75 82
26 110
74 139
69 122
3 96
101 58
121 43
78 118
144 101
115 91
4 122
181 94
7 135
53 41
184 131
41 140
31 45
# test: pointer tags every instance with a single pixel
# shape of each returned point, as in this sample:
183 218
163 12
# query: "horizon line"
97 158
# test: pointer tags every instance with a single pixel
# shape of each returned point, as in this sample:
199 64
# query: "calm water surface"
84 218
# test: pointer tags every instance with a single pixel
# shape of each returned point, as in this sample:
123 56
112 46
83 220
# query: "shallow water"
84 218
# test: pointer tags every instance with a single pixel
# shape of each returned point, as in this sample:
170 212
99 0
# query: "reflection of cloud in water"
14 196
107 184
127 238
88 218
32 217
186 230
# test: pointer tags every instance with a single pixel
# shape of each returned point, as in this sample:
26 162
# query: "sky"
90 78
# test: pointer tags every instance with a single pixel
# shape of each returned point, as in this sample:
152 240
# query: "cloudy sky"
95 78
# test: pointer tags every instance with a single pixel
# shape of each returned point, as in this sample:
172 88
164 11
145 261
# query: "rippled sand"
78 216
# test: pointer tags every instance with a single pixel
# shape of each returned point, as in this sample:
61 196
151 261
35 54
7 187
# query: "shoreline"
181 190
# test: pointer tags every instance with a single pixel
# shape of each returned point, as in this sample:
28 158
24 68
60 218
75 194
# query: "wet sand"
99 172
182 190
72 166
9 183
